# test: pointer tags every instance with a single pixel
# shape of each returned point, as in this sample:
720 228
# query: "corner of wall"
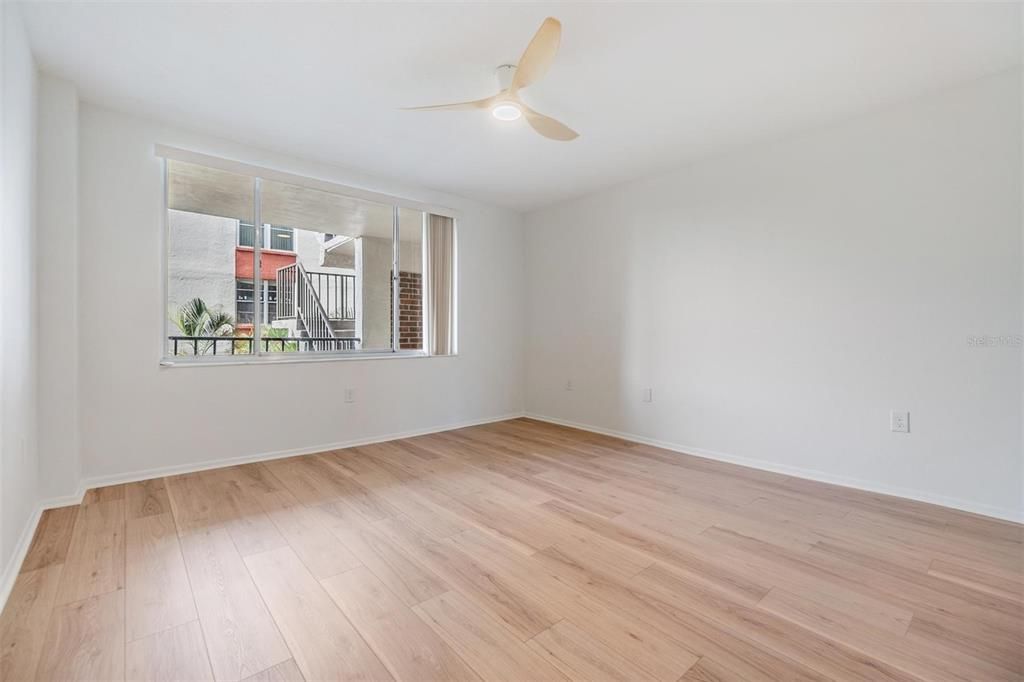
57 286
19 473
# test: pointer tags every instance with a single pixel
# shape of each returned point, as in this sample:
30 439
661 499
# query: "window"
246 234
244 302
332 273
273 237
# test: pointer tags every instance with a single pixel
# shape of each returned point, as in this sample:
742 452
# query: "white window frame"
258 356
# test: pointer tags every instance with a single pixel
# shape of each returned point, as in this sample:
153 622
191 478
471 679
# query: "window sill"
288 360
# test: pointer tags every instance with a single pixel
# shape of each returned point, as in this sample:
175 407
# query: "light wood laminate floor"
519 551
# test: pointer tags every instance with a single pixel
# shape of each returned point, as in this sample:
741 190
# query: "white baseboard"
1005 514
142 475
10 573
14 563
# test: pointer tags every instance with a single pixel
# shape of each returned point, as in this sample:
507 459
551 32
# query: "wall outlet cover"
899 422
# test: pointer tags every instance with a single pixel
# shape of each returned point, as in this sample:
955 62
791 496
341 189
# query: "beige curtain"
440 285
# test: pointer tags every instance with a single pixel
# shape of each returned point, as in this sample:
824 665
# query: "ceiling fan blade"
547 126
456 106
538 55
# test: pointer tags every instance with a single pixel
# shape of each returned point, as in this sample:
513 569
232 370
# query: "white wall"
18 369
782 298
57 285
136 416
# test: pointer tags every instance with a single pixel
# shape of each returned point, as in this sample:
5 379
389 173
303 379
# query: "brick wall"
410 310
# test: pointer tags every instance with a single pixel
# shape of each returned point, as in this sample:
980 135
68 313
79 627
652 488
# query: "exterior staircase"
322 305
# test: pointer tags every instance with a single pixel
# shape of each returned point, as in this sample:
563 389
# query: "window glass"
273 237
244 301
281 238
336 293
410 280
205 268
246 235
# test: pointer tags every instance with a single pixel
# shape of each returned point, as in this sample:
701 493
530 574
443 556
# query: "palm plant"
195 318
280 333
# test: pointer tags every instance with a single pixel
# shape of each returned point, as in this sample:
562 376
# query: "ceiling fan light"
506 111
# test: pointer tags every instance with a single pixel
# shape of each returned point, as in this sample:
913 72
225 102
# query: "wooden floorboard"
24 622
406 645
53 535
95 558
157 592
241 637
518 550
86 640
178 653
325 645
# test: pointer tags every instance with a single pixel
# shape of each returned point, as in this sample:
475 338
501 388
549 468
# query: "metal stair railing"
311 312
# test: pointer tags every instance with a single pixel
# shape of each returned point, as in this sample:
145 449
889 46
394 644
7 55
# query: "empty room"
669 341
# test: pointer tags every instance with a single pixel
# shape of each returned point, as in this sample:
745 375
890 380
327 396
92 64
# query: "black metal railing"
243 345
336 293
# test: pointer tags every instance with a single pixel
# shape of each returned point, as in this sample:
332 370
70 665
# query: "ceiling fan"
506 105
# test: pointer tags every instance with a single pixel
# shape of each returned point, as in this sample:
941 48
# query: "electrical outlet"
899 422
568 385
648 395
350 395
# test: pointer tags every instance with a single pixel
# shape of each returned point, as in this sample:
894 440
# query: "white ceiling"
648 86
